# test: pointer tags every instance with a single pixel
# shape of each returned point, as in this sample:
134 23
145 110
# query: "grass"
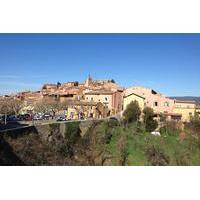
143 149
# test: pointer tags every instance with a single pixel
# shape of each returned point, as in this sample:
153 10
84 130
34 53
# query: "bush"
170 128
132 112
194 126
72 132
123 150
156 156
150 123
113 123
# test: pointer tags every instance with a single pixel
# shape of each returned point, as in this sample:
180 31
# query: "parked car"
28 117
25 117
38 117
46 116
20 117
13 118
61 118
1 119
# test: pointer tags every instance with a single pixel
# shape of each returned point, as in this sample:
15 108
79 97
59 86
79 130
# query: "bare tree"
5 108
47 105
15 105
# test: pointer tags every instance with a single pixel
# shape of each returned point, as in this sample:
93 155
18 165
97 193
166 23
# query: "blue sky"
169 63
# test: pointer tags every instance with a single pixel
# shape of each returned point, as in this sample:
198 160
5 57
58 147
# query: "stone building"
153 99
171 108
127 99
186 109
82 109
49 88
110 99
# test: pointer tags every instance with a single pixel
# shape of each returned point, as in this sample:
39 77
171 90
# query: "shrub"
72 132
156 156
132 112
150 123
163 117
194 126
170 128
113 123
123 150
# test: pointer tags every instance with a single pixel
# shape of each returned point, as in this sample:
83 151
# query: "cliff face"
55 144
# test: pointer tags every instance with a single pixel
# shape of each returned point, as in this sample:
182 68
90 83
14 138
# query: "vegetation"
72 132
150 123
58 84
106 143
132 145
132 112
47 105
10 106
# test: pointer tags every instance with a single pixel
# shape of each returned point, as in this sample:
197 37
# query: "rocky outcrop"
74 143
84 127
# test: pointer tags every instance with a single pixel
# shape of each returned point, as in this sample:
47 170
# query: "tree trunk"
5 119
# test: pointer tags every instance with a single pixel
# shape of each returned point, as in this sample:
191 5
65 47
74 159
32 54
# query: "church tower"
88 81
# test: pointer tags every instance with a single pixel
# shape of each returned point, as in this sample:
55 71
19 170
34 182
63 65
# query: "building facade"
171 108
113 100
133 97
186 109
153 99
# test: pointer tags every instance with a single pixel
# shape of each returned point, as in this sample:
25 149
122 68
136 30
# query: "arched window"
155 104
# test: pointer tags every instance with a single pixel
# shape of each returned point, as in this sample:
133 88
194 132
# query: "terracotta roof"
134 94
98 92
82 102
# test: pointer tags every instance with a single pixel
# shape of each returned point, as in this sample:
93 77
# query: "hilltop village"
104 98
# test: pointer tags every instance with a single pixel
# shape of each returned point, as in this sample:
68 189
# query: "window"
106 99
166 104
155 104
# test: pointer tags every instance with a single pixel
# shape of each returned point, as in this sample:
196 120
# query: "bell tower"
88 81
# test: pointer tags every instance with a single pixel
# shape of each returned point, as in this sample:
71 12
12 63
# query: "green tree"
132 112
150 123
58 84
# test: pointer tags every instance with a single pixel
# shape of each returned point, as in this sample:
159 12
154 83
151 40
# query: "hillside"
187 98
100 143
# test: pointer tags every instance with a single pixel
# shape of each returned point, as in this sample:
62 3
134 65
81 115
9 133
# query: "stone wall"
49 144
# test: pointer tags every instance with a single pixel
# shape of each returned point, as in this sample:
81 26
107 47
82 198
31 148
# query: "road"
24 124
